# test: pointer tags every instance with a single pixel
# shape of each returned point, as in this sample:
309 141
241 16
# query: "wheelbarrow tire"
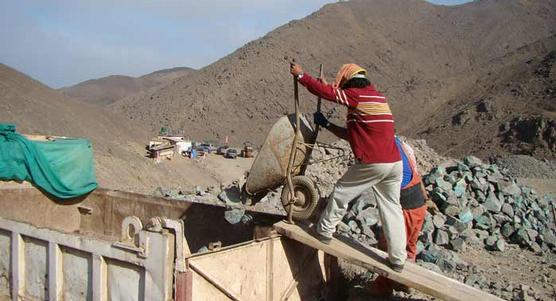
306 191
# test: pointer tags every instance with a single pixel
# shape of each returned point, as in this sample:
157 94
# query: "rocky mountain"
431 61
118 143
106 90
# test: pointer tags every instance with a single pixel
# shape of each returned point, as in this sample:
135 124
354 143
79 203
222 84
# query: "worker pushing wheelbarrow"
283 160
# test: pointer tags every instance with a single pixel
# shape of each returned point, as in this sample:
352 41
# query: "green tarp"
62 167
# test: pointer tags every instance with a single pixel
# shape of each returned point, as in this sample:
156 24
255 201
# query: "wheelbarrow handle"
319 103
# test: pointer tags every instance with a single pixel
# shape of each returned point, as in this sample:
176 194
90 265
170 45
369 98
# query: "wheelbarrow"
270 168
283 159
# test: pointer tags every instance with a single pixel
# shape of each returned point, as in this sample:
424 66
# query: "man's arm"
320 88
339 131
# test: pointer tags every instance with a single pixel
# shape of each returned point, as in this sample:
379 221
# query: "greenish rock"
481 234
468 176
420 247
428 225
354 227
435 174
459 225
482 222
234 215
508 210
438 221
521 237
472 161
441 237
368 217
480 196
452 232
508 188
470 237
492 204
465 216
444 185
457 244
500 245
451 210
431 254
532 234
501 218
507 230
462 167
459 188
549 238
535 247
438 197
478 211
490 242
450 179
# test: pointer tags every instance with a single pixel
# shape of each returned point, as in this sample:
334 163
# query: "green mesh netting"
63 167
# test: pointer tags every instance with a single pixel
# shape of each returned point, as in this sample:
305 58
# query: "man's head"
351 76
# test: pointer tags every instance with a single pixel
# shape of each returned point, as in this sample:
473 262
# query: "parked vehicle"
231 153
222 150
247 151
209 147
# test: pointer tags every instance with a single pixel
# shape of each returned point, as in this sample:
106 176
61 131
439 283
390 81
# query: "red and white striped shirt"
370 123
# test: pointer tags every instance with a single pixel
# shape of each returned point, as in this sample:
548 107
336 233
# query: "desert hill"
118 143
106 90
425 58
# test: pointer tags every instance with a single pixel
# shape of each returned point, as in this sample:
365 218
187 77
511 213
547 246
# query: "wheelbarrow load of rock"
284 155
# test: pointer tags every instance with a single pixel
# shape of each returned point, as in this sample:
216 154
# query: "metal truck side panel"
45 264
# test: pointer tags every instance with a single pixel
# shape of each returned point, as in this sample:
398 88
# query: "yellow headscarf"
346 73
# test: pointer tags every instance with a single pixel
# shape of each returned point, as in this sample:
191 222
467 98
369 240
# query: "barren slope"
106 90
118 144
424 57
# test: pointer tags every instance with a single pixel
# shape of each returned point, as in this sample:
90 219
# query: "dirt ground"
184 173
542 186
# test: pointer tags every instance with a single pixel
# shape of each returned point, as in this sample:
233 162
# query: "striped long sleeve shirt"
370 124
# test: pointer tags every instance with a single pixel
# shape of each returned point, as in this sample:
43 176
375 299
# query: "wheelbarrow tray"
269 170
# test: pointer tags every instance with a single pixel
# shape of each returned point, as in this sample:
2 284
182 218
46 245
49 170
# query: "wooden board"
414 276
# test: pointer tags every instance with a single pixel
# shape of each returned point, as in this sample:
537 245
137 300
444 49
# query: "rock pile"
482 205
479 205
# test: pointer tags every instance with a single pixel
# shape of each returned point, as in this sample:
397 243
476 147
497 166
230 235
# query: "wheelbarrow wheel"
307 198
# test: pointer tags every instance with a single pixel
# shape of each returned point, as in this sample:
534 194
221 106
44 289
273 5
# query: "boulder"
508 188
472 161
492 204
441 237
457 244
234 215
508 210
438 220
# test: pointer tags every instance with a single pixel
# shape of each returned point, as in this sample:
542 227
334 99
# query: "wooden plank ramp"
413 275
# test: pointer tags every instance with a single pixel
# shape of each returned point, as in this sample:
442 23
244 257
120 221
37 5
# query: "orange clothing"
414 219
346 73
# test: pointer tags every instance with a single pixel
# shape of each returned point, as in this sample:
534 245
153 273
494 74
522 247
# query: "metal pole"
317 128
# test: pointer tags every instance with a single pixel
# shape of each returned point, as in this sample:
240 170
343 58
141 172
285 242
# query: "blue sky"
63 42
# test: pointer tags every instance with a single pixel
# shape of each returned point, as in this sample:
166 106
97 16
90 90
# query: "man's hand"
319 119
295 69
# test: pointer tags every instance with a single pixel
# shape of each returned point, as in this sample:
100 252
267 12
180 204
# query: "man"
370 132
413 200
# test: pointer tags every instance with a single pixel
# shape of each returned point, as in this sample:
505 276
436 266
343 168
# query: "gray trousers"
384 179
